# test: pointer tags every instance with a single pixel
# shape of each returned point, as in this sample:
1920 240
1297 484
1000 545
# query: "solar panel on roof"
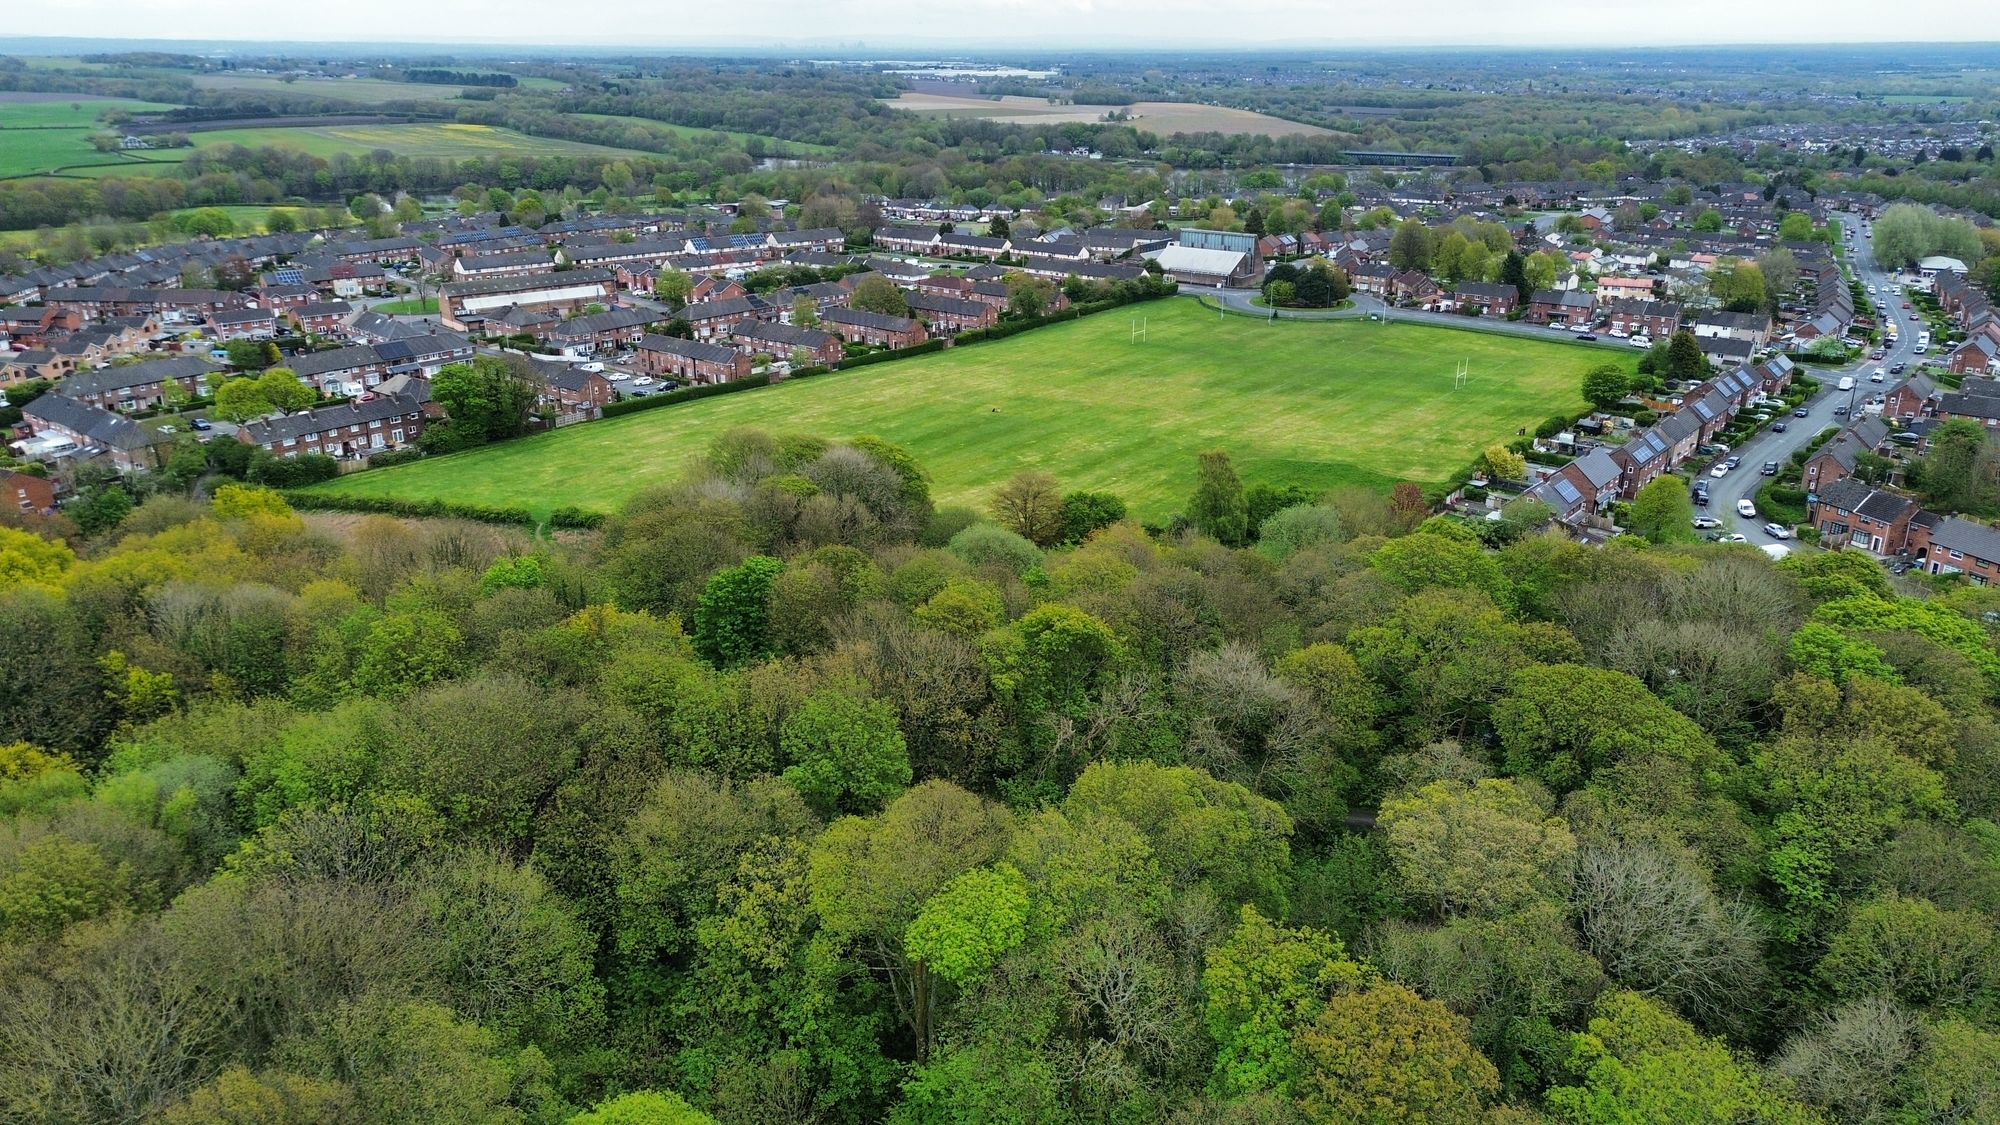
1704 409
1567 491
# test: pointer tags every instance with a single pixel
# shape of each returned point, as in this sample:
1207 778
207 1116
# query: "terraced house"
346 432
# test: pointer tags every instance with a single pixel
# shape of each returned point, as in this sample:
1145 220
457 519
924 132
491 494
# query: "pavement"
1745 480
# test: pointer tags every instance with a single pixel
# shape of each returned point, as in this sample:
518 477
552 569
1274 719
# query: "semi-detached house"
345 432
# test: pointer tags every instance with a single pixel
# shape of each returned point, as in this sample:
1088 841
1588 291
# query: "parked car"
1746 509
1777 531
1586 336
202 424
1720 470
1732 538
1770 468
1878 375
1640 341
1733 462
1707 522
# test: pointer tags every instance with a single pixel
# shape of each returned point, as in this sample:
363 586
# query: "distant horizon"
859 48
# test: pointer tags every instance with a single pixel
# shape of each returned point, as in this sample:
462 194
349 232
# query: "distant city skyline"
975 25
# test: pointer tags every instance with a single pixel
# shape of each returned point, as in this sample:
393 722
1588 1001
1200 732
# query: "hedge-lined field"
1317 403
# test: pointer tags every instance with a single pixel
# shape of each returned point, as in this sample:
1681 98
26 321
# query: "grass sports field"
1316 403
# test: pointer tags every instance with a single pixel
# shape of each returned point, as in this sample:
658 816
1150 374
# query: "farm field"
1162 118
456 142
43 134
1314 403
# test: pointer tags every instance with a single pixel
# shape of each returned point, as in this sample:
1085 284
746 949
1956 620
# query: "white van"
1746 509
1846 383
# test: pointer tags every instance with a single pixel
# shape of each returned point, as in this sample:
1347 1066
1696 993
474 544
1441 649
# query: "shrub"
984 543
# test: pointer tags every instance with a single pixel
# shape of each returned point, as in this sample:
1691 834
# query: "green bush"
414 509
571 516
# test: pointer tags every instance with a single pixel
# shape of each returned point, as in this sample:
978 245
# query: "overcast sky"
967 25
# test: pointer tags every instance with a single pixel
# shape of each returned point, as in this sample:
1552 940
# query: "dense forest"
790 797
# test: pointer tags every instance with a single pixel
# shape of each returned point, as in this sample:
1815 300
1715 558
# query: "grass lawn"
40 136
409 306
1312 402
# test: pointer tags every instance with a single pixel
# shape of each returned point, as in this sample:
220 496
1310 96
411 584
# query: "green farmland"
39 136
1316 403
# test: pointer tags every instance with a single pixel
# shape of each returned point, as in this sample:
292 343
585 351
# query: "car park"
1777 531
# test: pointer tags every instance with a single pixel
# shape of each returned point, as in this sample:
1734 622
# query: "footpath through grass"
1094 402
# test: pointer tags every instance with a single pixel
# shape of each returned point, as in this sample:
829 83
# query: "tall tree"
1662 512
1217 507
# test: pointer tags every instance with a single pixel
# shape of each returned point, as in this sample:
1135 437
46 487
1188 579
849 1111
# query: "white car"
1878 375
1732 539
1777 531
1721 470
1746 509
1641 341
1706 522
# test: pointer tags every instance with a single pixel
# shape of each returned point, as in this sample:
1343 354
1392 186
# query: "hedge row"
390 506
685 394
569 516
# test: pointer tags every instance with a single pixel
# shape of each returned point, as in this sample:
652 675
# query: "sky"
969 25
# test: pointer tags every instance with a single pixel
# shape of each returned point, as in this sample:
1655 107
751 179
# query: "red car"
1906 304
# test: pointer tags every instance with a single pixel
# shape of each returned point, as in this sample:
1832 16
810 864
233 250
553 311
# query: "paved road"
1769 446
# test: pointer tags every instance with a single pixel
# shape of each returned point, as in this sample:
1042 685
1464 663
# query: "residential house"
1913 397
346 432
574 393
243 324
905 240
951 314
323 318
25 493
1624 289
363 367
691 361
713 320
503 263
859 326
1836 460
1849 513
1752 327
1581 488
1489 298
1950 545
1561 306
581 336
463 303
784 340
1978 355
61 422
1657 319
137 386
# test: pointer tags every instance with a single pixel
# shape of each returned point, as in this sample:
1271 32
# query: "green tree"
646 1107
1640 1062
1709 221
486 399
1030 505
1505 464
673 287
1386 1054
240 400
1484 848
281 388
1561 723
211 221
732 619
1262 986
1796 226
962 931
878 294
251 355
1919 954
404 651
1411 246
1606 385
847 754
1514 272
1684 359
1086 512
1662 512
1217 508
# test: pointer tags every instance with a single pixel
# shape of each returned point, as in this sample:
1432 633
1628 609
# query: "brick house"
24 493
463 303
952 314
691 361
346 432
137 386
364 366
1951 545
1753 327
1561 306
712 287
1836 460
1489 298
717 319
1658 319
1911 398
859 326
583 335
781 340
1849 513
322 318
571 390
1978 355
125 444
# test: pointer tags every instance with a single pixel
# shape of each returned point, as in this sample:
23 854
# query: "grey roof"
1568 298
97 425
1599 468
696 350
728 306
1966 537
1489 290
1969 406
789 335
862 318
292 426
584 327
120 377
486 286
927 302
